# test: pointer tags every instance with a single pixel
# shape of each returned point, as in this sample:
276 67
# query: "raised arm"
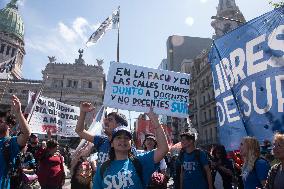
162 145
80 129
24 126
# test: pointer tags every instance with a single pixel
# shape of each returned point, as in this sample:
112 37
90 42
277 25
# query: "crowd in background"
112 161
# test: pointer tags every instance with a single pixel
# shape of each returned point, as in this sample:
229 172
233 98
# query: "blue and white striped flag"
96 128
112 22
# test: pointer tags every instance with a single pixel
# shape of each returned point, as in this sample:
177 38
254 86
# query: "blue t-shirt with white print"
253 178
14 149
102 143
193 176
122 174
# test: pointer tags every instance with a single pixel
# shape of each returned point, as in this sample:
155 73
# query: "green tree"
277 4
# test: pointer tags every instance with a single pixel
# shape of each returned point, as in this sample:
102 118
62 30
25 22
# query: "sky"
60 27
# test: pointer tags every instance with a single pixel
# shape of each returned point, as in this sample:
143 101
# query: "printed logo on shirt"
245 173
102 157
190 166
121 180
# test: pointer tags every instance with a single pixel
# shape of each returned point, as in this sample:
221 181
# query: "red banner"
145 127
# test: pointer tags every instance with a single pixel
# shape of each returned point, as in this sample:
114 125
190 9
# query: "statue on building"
51 59
13 4
100 62
80 60
80 51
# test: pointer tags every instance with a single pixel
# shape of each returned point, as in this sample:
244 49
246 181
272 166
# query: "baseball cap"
121 129
188 135
33 135
150 136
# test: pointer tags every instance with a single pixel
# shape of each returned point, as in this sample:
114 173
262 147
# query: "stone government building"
69 83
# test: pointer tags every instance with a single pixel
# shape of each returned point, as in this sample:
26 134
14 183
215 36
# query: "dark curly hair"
11 120
3 127
51 144
119 118
220 149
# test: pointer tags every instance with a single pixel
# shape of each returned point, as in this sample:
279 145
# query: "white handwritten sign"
138 88
53 115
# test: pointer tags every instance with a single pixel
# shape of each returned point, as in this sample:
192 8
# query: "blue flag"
248 71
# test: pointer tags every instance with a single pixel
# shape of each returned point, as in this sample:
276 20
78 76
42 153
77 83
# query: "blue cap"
119 130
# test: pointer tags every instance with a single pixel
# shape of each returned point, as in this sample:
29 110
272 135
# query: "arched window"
13 52
2 48
8 50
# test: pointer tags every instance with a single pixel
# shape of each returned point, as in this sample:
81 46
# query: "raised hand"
86 107
16 104
153 116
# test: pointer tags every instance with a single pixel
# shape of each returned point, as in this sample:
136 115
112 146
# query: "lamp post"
62 84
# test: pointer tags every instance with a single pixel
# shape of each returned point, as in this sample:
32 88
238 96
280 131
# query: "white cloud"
67 33
189 21
79 30
35 45
80 27
63 42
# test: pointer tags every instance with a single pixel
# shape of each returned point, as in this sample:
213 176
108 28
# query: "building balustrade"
209 141
208 121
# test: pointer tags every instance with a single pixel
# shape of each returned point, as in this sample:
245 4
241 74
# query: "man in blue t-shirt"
195 171
10 147
101 142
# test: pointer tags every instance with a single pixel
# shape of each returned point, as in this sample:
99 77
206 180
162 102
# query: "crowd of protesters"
111 160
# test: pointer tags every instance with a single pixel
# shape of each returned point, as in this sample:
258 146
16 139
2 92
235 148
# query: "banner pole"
37 97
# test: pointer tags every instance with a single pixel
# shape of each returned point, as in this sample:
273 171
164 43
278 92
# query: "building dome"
11 21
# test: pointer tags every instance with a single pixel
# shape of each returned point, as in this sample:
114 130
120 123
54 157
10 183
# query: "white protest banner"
56 116
138 88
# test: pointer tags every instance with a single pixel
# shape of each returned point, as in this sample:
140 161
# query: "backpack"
254 165
84 172
100 142
135 162
14 170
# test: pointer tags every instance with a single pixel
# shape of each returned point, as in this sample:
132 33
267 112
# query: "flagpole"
117 50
